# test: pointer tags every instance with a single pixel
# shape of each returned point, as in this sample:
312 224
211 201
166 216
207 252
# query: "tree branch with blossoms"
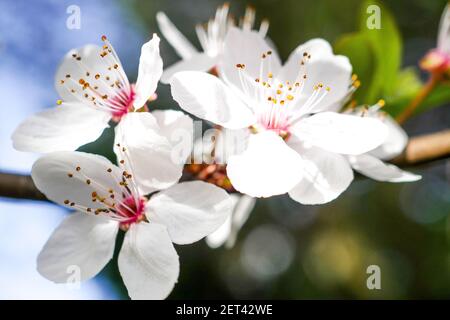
298 140
420 150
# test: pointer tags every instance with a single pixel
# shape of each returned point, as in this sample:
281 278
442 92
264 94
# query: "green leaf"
375 55
386 43
356 46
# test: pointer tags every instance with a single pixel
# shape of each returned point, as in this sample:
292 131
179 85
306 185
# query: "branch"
425 148
417 101
19 187
421 149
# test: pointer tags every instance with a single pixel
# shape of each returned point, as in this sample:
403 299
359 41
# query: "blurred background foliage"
290 251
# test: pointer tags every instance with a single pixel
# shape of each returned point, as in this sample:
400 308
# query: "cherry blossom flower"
294 143
371 163
211 37
438 60
134 197
94 89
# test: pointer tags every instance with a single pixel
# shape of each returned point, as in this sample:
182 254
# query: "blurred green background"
291 251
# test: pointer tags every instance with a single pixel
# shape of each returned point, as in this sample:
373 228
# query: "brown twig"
419 98
425 148
19 187
419 150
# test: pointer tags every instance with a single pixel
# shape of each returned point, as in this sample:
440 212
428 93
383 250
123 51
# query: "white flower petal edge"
323 65
198 62
148 262
150 71
190 210
325 176
206 97
143 150
339 133
395 142
65 127
55 174
178 128
444 31
227 233
376 169
81 241
172 123
245 47
177 40
70 71
267 167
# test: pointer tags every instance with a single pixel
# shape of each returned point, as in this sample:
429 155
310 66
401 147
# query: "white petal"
323 67
190 210
148 262
65 127
91 68
444 31
206 97
81 246
150 71
246 47
333 72
198 62
340 133
241 213
50 175
395 142
176 39
378 170
317 48
325 176
178 128
220 236
268 167
146 153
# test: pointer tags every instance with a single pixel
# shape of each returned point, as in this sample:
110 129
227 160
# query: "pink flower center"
131 211
280 103
122 103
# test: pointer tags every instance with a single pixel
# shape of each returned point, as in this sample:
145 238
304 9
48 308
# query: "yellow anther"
58 102
381 103
354 77
290 97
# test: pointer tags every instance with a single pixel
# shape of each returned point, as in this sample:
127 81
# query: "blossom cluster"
295 135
